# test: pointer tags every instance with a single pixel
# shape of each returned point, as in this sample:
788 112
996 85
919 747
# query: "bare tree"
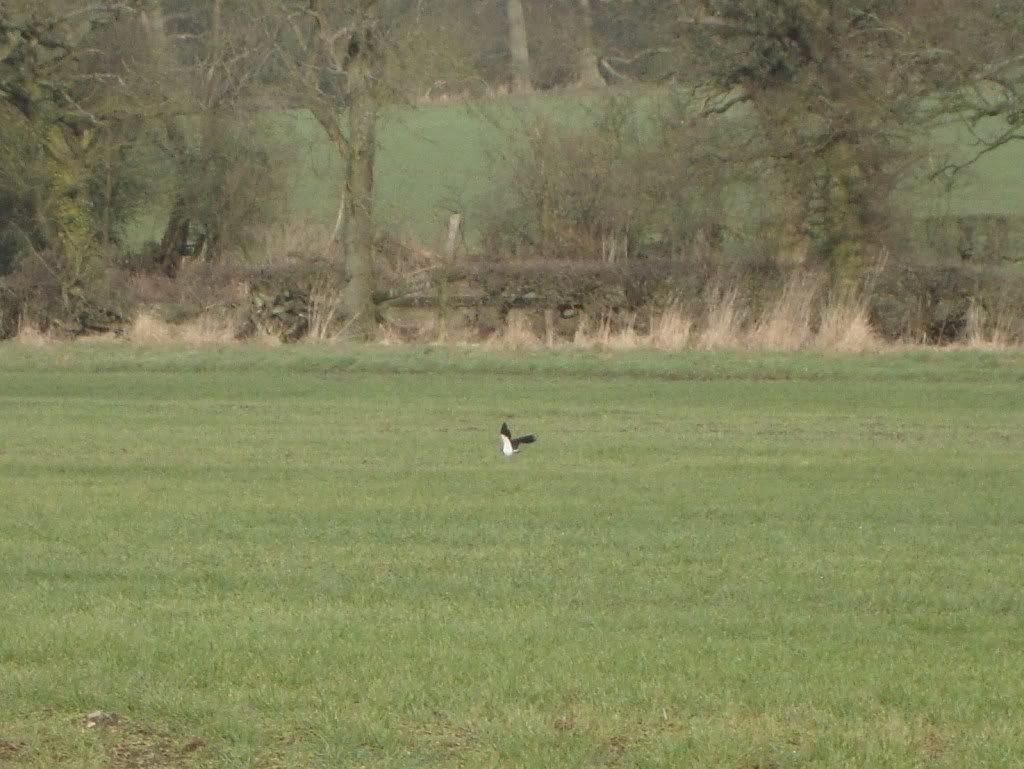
976 73
844 95
349 48
837 104
208 66
361 60
351 59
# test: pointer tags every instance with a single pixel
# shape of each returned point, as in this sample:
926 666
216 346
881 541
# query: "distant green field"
440 157
431 160
316 557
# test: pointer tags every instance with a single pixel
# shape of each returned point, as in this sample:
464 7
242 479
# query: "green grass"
316 557
436 158
431 160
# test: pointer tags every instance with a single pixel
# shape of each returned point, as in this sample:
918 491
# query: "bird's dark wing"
505 431
523 439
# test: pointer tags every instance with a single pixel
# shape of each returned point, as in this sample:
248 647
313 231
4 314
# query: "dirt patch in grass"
135 746
613 750
933 743
447 739
9 749
565 722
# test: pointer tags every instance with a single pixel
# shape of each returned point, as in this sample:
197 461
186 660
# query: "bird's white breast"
506 446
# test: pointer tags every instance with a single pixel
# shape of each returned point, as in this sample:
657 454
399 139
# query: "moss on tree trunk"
73 222
845 215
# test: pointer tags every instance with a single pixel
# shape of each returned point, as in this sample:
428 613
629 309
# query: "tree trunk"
73 222
106 223
211 127
518 46
824 211
845 217
175 237
587 64
795 242
174 243
189 208
357 233
354 226
324 111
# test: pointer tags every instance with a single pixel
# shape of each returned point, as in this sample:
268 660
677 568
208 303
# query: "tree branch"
950 172
726 104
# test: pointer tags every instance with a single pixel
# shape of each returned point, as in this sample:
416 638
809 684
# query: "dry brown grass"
146 328
802 317
325 299
669 330
389 335
845 327
791 323
787 324
419 325
987 333
608 334
516 335
723 328
672 330
30 334
297 239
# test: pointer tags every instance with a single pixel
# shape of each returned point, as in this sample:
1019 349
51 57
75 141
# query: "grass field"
431 160
436 158
316 557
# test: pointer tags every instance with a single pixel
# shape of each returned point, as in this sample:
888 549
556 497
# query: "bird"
510 445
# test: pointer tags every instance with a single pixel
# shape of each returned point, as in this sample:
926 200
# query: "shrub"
290 301
934 303
618 188
59 295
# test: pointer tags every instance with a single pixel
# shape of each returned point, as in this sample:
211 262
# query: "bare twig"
724 104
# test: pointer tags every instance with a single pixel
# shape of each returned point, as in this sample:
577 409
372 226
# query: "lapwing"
510 445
